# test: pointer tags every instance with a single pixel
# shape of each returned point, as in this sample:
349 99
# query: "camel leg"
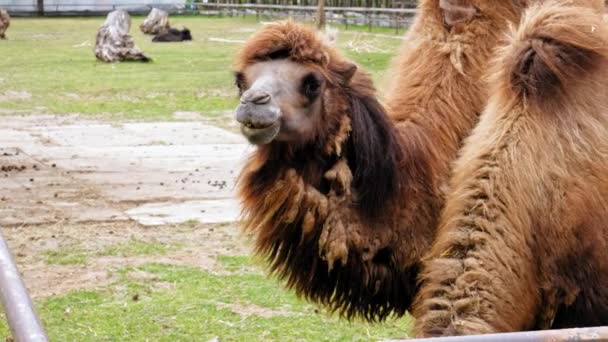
480 275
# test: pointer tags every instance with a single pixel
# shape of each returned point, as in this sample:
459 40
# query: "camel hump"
556 46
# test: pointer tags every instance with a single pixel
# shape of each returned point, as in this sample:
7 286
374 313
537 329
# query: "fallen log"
5 22
114 43
156 22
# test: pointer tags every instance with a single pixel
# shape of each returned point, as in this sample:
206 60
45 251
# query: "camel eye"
311 86
239 81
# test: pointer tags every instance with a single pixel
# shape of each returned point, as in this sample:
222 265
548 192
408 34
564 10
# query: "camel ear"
457 11
347 71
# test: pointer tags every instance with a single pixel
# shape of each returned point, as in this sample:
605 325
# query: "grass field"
48 66
189 282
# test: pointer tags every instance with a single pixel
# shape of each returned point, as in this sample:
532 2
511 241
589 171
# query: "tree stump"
5 22
114 43
156 22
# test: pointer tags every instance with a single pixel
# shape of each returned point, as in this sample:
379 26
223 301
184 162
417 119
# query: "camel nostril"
257 97
262 99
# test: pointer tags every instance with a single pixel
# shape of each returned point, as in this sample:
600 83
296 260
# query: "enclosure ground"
119 235
117 189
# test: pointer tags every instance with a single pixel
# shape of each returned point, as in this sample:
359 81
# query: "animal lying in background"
5 22
523 240
156 22
173 35
113 42
341 194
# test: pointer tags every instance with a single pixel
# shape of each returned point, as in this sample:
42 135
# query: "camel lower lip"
261 136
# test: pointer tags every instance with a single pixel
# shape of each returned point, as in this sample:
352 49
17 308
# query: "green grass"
52 59
136 248
66 256
233 263
176 303
74 255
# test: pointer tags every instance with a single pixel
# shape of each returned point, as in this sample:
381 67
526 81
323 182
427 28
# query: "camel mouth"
257 125
260 134
260 124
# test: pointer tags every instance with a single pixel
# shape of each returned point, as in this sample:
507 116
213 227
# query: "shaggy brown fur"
523 240
156 22
5 22
113 42
363 259
280 185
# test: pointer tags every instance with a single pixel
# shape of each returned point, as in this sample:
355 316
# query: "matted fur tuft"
554 47
284 39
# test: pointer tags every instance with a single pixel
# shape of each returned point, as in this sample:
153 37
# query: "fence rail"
564 335
405 11
397 18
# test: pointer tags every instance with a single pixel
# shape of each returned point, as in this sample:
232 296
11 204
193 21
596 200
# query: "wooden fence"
396 18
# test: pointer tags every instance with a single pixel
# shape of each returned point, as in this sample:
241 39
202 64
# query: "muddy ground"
73 185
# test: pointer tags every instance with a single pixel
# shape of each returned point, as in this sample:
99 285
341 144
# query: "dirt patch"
180 115
11 95
194 245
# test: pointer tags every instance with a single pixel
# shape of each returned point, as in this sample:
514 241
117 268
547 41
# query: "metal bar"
20 313
570 335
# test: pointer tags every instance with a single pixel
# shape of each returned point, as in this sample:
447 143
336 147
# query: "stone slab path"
66 169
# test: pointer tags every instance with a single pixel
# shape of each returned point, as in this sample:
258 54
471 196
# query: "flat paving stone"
136 134
207 211
69 169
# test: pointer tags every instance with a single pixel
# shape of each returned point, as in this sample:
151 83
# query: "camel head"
306 104
284 76
280 100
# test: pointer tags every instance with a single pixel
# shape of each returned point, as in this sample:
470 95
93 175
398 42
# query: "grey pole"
565 335
20 313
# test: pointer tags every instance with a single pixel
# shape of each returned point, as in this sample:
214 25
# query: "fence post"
321 15
40 5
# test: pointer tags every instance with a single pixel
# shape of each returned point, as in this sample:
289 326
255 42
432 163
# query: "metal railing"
18 308
569 335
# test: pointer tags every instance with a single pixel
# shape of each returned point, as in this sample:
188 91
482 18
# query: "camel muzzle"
260 123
